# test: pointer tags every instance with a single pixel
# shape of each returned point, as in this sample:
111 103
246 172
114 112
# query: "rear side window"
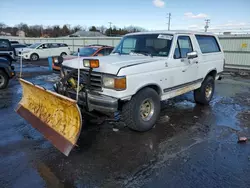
208 44
63 45
54 45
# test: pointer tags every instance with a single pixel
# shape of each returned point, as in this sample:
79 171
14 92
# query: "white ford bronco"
144 69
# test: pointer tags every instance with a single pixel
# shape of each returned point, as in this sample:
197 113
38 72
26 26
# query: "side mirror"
192 55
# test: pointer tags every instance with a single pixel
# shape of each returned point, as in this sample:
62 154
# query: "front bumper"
90 100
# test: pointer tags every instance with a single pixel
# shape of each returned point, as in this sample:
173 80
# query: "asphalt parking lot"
190 146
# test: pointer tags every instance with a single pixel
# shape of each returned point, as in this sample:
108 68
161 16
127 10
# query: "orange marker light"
94 63
91 63
120 83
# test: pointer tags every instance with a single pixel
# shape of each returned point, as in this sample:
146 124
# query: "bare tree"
77 28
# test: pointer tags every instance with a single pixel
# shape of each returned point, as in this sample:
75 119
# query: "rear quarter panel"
209 61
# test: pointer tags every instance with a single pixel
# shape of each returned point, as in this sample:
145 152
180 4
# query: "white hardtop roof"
171 32
52 42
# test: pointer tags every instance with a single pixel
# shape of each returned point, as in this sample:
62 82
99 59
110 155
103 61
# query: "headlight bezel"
119 82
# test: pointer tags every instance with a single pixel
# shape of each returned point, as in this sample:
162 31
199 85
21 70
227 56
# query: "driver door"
43 50
185 70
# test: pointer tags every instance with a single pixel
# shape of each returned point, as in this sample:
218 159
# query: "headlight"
112 82
55 60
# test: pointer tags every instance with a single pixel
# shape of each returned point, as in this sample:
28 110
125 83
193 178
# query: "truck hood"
111 64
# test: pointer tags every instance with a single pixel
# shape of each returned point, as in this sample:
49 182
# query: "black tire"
4 79
131 110
63 54
34 57
200 96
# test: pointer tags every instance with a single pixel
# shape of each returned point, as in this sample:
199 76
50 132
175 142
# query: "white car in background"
44 50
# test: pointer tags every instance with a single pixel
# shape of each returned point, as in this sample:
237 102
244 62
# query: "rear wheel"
34 57
4 79
142 111
63 54
205 93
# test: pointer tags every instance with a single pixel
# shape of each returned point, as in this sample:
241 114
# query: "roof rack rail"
98 45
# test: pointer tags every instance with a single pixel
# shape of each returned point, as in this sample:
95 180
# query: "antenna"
78 75
169 18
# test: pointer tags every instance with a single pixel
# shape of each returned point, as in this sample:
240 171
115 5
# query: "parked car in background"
6 50
44 50
87 51
6 72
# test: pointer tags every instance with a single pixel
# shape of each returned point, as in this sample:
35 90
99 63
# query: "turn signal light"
120 83
91 63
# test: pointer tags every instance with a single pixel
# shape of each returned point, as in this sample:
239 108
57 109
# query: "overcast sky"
149 14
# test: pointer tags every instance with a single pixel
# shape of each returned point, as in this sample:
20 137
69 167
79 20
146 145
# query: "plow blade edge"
57 117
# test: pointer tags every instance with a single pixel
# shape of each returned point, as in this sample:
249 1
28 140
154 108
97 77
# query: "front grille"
95 79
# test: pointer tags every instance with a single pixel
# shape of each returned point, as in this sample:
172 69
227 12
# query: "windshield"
147 44
86 51
35 45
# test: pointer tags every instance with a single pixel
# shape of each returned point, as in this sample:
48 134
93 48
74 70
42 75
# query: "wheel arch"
35 54
212 72
5 70
154 86
64 53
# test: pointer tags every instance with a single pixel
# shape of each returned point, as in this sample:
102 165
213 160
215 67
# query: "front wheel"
4 79
205 93
34 57
142 111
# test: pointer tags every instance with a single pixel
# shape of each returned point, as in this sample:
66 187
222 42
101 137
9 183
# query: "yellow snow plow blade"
57 117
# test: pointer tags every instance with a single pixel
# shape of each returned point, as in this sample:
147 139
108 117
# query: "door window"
183 46
43 46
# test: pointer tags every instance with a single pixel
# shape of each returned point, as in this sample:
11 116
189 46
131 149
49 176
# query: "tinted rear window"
208 44
63 45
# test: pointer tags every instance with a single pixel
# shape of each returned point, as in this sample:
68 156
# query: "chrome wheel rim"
147 109
1 80
208 91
